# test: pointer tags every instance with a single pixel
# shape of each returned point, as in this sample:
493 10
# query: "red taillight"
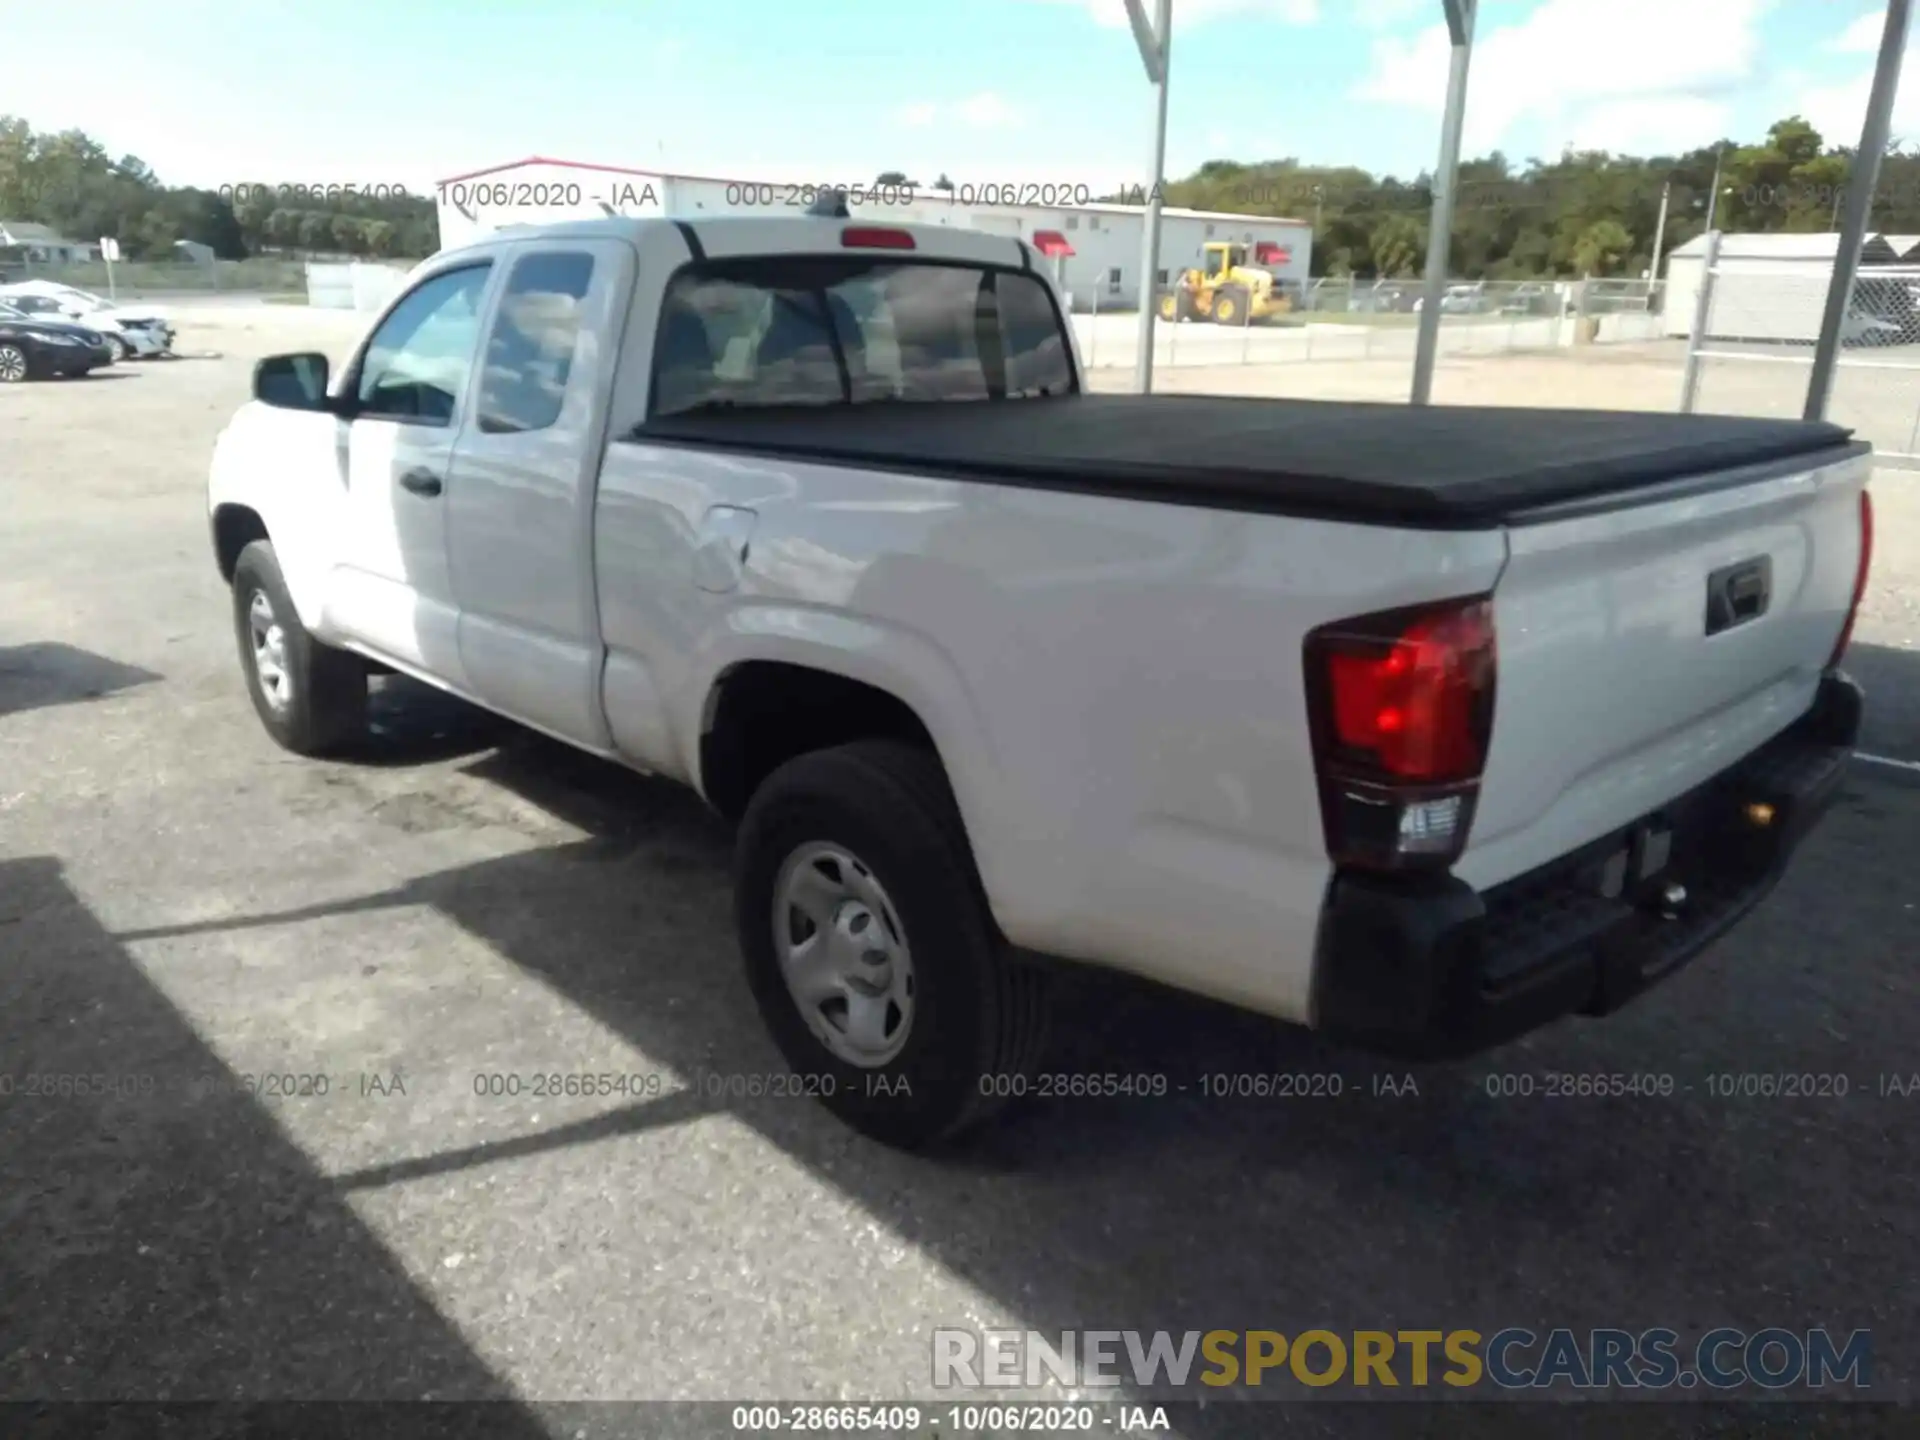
1859 578
1402 712
1413 704
875 237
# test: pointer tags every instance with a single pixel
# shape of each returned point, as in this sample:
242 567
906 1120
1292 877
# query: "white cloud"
984 111
1837 110
1666 124
1862 35
1387 14
1112 14
1610 74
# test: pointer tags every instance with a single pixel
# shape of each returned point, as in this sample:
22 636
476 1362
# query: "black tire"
979 1011
120 349
16 365
1230 306
325 706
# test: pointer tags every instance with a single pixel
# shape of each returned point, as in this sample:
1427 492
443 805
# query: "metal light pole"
1860 188
1713 192
1659 237
1156 45
1440 225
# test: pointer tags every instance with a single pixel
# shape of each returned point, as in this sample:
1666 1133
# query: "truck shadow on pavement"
1414 1197
1391 1197
160 1237
50 673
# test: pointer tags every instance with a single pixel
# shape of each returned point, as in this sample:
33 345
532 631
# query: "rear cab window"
855 330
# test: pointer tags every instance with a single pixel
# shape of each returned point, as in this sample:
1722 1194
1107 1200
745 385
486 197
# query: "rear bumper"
1432 968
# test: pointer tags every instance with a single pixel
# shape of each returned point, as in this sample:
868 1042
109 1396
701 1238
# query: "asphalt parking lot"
185 906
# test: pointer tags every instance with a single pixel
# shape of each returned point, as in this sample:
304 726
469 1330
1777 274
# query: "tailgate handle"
1739 593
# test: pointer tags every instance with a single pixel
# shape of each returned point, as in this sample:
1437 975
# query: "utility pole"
1713 195
1861 183
1426 345
1659 237
1156 46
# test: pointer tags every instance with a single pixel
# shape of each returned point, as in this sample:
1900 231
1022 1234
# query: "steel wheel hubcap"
843 954
12 364
269 651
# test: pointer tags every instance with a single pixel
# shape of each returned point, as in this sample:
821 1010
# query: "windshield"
827 330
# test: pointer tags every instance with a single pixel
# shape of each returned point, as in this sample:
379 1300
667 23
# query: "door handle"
420 482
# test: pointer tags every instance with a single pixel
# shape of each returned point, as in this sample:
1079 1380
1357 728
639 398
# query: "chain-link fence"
139 279
1750 351
1355 319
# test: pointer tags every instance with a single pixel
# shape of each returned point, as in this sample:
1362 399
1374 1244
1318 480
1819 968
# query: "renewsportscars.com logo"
1510 1359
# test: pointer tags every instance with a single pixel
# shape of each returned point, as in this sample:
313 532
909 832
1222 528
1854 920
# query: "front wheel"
870 949
121 350
311 697
13 365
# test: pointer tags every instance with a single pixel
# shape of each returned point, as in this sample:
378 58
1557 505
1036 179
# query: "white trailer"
1769 288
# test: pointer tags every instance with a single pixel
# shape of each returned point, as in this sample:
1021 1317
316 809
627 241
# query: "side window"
1036 350
523 378
417 362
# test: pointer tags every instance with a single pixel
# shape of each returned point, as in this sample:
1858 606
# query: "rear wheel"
13 365
870 949
311 697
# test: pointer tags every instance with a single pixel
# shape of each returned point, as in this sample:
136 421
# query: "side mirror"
293 382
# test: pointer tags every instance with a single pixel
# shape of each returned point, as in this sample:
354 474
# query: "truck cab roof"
781 231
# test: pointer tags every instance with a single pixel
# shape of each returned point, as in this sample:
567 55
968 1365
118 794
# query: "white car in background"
133 331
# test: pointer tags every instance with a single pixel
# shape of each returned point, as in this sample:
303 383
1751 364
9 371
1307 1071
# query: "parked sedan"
32 348
132 331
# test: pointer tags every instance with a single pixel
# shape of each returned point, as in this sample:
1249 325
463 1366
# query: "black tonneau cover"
1429 466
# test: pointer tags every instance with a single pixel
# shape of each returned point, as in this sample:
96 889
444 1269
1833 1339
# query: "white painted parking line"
1886 760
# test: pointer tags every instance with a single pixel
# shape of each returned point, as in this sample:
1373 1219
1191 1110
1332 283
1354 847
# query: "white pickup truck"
1420 726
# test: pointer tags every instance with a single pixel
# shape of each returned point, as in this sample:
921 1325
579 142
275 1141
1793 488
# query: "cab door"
404 398
520 507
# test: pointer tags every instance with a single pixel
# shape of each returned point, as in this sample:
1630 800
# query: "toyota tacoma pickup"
1417 726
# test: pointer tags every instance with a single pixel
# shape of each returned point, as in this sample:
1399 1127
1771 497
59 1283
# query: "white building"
1093 248
1770 286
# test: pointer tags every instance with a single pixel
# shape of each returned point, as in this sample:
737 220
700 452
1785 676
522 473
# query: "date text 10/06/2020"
759 195
792 195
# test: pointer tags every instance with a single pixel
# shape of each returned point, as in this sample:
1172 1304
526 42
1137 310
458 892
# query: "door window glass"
417 362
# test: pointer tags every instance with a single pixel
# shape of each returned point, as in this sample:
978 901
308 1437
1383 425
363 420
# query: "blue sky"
411 91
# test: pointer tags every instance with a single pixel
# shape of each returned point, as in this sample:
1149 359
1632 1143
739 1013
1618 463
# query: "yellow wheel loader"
1227 289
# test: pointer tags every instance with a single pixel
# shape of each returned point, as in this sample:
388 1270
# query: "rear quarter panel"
1115 686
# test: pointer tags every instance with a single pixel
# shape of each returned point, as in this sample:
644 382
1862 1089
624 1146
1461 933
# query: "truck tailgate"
1622 684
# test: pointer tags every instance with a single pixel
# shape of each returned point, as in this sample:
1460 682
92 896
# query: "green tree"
316 230
1601 248
1397 245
